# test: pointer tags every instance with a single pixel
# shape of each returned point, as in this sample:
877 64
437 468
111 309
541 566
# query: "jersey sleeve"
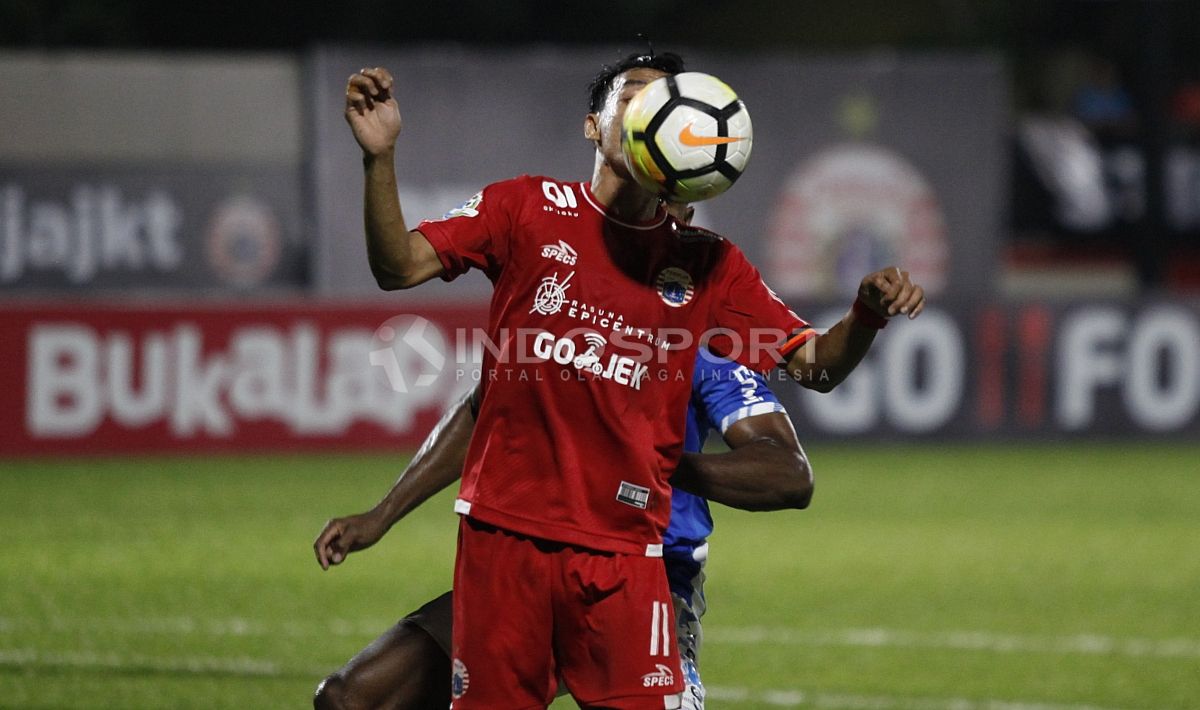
730 392
759 330
476 234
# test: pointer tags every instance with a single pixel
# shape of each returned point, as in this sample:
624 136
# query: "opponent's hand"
890 291
341 536
371 110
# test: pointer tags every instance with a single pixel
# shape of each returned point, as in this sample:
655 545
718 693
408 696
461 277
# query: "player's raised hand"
341 536
890 291
371 110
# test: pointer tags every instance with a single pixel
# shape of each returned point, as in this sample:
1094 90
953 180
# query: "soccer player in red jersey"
408 666
600 303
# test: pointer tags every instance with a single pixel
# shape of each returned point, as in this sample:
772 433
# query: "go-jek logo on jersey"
560 252
663 677
618 368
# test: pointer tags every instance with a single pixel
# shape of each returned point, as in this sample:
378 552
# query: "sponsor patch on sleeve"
470 208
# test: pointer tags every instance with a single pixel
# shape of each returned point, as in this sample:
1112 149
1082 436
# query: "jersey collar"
659 217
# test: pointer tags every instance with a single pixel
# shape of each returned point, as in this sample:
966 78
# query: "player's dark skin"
765 469
402 258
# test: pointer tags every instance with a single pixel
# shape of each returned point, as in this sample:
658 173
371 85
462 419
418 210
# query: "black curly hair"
598 89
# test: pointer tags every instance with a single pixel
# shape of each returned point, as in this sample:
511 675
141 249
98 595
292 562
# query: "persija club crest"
675 286
461 680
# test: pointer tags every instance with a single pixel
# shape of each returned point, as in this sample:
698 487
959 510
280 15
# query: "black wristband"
867 316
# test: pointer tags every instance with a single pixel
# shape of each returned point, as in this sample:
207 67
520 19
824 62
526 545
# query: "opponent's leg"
685 574
406 668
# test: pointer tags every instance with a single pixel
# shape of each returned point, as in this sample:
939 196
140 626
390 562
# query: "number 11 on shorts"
660 630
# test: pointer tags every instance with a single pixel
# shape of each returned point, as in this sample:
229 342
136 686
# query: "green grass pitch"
1050 577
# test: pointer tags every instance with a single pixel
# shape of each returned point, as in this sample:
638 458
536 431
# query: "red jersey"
595 324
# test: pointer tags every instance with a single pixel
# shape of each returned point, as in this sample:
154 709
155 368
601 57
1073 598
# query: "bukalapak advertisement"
184 377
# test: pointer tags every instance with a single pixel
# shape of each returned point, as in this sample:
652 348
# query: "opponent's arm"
399 257
826 360
765 469
437 464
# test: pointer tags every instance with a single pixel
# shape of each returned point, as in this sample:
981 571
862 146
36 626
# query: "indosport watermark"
413 353
410 350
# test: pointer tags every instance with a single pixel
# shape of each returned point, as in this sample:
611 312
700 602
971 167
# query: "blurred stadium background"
196 361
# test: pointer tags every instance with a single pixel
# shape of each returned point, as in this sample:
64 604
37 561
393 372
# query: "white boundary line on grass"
26 658
1086 644
1081 644
31 657
836 701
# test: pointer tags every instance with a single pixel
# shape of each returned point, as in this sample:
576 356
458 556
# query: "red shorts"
527 610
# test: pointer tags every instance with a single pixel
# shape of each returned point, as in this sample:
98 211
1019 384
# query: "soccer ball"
686 137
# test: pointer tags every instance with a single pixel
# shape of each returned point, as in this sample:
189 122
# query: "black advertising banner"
76 229
858 160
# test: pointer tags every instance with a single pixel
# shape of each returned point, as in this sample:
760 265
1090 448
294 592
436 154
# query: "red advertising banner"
182 378
312 375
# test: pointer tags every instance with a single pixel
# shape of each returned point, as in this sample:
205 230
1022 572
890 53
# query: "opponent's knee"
333 694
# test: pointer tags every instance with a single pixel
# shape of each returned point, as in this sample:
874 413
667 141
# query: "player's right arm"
437 464
399 257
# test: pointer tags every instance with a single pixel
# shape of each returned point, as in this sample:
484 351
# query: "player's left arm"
437 464
765 469
399 257
824 361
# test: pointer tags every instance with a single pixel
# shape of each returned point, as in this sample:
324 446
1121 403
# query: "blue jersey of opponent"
723 392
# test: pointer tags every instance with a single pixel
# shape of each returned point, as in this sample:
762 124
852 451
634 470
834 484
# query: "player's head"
603 83
611 90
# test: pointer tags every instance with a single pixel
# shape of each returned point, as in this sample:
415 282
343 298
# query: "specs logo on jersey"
461 680
661 678
560 252
551 294
470 208
675 286
562 197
